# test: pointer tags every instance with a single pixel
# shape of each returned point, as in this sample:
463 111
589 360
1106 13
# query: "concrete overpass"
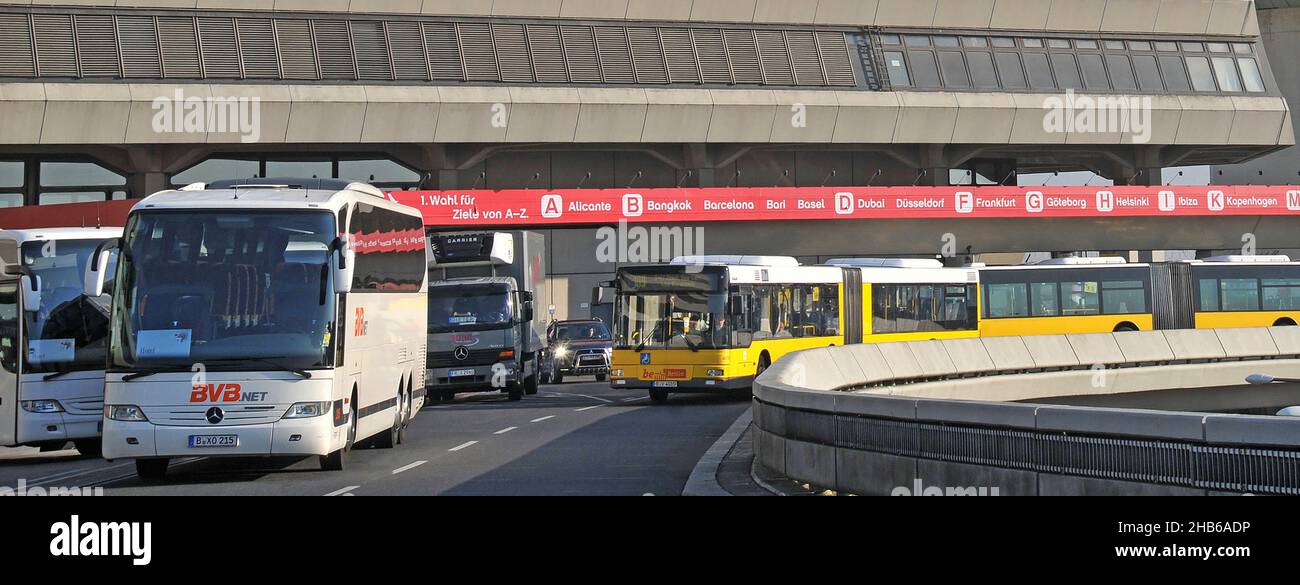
1042 415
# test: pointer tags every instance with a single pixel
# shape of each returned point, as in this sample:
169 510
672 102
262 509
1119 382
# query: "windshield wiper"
152 371
689 343
56 375
304 374
178 368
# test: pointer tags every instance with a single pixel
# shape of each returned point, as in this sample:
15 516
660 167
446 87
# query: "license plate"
214 440
460 373
668 384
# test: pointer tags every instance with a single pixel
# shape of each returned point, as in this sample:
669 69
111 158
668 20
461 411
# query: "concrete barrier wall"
874 420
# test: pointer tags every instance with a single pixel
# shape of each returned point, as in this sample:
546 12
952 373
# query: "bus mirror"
93 284
344 266
31 286
597 296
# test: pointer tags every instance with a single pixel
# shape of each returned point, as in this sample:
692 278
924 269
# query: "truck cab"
483 332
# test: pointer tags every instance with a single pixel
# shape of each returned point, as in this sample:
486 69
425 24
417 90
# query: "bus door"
9 360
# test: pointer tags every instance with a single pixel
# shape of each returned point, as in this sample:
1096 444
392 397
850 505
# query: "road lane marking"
342 492
537 420
463 445
634 399
505 430
78 473
605 400
409 467
73 473
587 408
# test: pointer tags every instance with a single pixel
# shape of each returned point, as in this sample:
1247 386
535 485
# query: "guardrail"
888 418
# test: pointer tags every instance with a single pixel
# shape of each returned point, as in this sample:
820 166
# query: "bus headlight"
616 373
714 373
124 412
42 406
308 410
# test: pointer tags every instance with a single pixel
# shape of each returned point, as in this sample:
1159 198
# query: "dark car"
576 348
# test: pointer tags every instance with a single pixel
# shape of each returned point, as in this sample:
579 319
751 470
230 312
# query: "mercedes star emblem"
214 415
461 353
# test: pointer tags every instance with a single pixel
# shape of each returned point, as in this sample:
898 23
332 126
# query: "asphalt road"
572 439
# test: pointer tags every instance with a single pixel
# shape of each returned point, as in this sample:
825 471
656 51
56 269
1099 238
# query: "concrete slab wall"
1169 16
361 114
976 447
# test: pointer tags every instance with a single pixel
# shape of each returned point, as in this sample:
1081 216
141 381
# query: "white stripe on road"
633 399
343 491
463 445
505 430
597 398
587 408
409 467
537 420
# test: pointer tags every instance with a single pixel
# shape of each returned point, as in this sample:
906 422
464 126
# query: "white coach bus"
264 317
52 339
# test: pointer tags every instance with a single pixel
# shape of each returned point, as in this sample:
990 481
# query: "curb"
704 477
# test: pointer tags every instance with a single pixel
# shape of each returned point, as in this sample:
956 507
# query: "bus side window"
1007 300
1240 294
882 305
1209 295
1044 300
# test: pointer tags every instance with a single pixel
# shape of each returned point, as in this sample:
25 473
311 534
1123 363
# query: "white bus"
52 339
264 317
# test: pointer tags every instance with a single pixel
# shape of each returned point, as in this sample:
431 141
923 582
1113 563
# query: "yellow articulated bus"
713 323
1103 295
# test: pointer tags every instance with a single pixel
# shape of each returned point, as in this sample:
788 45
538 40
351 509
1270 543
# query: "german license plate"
460 373
214 441
666 384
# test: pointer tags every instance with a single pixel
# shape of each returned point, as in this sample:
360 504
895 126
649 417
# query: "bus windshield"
203 285
665 320
69 331
468 308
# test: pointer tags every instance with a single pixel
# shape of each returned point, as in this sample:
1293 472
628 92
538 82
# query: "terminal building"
97 102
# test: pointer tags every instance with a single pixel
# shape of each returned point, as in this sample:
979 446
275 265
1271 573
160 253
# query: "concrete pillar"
935 170
448 179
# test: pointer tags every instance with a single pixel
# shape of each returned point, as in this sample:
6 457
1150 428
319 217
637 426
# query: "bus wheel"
659 396
151 468
393 437
516 392
90 447
410 411
1126 327
334 461
764 363
1284 322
